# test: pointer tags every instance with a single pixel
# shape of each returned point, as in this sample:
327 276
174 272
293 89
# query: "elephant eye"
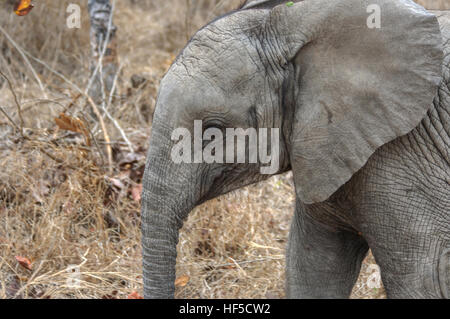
212 125
209 126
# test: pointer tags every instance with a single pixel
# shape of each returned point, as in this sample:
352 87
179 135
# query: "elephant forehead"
181 102
221 53
215 73
227 65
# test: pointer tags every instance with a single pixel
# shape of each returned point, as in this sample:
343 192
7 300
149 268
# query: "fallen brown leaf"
68 123
24 262
136 192
182 281
117 183
134 295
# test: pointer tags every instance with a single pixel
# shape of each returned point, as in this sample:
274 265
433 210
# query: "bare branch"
19 109
20 50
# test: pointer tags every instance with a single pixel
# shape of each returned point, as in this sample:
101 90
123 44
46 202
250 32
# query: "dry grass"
435 4
66 210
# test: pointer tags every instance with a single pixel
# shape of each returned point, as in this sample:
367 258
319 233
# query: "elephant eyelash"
213 124
209 126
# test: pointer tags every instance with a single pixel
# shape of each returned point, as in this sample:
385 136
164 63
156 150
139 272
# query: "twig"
34 279
72 103
248 261
20 50
98 68
94 139
41 149
76 87
20 129
19 109
113 120
91 81
88 98
105 132
38 101
24 54
113 88
10 119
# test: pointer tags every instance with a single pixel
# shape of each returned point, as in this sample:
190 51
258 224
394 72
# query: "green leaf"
290 4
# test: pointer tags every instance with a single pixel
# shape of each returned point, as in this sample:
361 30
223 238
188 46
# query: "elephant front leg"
322 261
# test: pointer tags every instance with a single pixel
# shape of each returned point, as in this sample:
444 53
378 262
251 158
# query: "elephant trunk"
164 208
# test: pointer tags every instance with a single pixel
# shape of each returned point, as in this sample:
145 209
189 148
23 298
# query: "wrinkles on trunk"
160 228
165 205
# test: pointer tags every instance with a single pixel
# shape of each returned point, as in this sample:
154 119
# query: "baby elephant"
353 96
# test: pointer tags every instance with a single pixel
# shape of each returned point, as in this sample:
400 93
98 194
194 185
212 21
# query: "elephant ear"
359 86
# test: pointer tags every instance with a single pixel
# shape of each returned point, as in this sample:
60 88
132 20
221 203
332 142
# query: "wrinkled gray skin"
365 121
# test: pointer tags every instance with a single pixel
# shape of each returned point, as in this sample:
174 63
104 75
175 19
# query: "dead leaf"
24 262
131 158
134 295
68 123
23 7
136 192
117 183
182 281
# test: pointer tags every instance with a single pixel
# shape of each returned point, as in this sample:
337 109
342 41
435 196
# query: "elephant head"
334 85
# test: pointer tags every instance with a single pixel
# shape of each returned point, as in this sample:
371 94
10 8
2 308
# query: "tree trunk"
104 62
